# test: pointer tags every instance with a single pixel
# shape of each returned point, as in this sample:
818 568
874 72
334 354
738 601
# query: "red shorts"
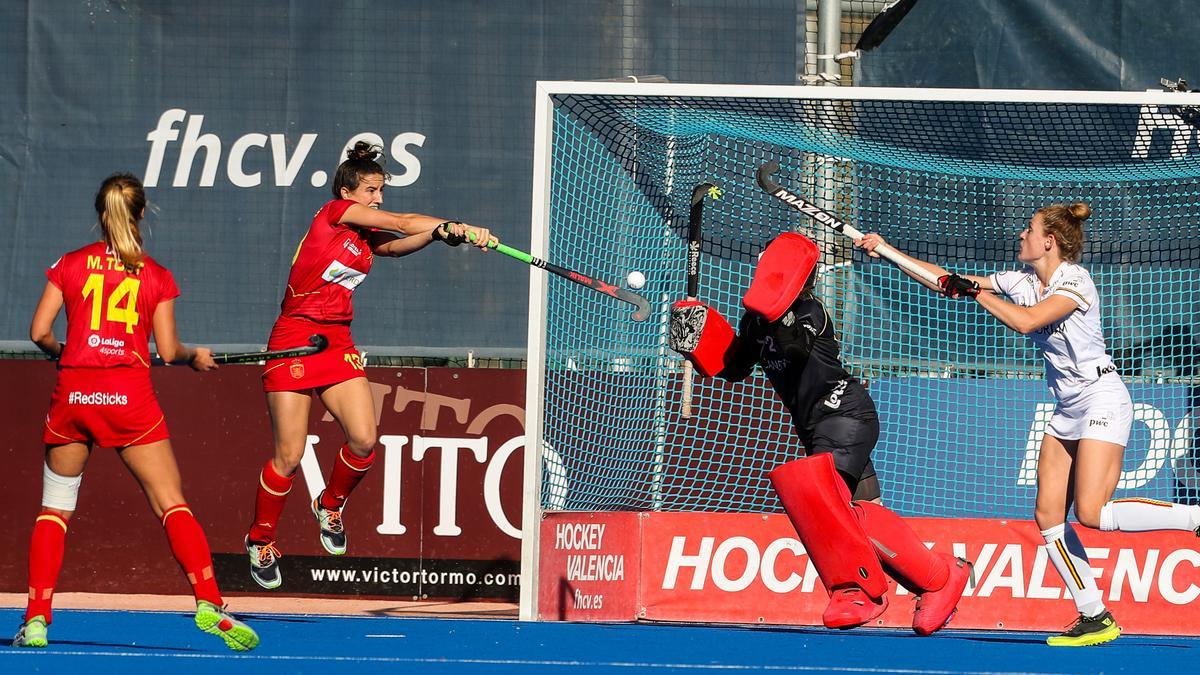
108 407
338 362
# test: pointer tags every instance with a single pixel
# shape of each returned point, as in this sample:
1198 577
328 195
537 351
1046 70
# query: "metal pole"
829 40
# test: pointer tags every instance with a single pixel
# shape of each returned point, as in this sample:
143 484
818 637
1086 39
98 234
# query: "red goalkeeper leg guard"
273 490
45 561
818 504
940 579
348 470
190 547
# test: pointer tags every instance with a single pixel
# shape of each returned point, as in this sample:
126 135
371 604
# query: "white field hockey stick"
695 238
831 221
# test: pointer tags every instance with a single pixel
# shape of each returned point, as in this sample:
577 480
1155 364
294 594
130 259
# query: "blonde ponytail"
120 204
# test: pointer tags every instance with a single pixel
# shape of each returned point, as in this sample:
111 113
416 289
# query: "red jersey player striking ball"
115 296
332 259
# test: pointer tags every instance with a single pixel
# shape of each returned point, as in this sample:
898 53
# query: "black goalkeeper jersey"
800 355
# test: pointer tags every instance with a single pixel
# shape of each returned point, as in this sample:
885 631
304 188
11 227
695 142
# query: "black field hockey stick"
834 223
695 239
641 313
883 24
316 343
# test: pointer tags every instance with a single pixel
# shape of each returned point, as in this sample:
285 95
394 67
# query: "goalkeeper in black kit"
850 540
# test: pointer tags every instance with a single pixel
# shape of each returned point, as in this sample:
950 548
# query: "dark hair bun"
364 150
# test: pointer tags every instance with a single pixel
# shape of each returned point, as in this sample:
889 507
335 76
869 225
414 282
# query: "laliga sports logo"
94 341
213 153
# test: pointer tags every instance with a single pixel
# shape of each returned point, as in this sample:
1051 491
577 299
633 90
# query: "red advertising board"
589 566
749 568
438 516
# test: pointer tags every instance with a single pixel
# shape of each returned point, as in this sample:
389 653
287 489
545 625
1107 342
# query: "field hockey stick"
316 343
834 223
643 306
883 24
695 238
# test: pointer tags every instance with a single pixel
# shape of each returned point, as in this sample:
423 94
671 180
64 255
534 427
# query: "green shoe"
32 633
216 621
1087 631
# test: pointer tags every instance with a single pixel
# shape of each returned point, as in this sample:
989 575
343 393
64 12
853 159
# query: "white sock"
1143 515
1071 561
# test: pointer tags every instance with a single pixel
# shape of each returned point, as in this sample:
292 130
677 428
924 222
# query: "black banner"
407 578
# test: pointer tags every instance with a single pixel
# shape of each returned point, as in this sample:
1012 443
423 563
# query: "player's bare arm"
170 348
413 225
1026 320
41 329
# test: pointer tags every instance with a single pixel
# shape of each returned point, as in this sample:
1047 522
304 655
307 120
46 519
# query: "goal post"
946 175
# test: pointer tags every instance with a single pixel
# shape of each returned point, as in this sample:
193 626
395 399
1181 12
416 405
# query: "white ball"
636 280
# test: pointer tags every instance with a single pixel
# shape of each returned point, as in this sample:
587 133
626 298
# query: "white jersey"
1073 347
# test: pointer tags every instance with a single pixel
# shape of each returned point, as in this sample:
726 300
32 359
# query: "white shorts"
1103 411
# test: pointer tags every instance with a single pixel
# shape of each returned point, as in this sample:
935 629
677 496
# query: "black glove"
442 233
954 286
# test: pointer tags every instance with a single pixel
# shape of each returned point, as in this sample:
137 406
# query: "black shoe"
1087 631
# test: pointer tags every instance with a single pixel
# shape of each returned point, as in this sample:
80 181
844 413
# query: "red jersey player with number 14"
115 296
332 260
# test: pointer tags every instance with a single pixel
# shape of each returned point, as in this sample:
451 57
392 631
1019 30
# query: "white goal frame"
540 228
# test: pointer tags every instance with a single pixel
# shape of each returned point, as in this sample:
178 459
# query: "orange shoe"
851 607
936 608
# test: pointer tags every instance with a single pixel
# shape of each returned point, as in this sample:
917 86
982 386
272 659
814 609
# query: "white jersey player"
1054 301
1092 401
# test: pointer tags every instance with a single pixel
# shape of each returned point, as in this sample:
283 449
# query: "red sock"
273 490
191 550
45 560
900 550
348 470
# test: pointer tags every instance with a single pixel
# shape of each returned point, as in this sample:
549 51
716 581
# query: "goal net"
949 176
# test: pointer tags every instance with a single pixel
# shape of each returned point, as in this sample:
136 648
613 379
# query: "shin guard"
900 550
818 504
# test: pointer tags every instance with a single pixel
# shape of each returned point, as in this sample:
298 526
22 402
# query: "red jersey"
110 314
331 261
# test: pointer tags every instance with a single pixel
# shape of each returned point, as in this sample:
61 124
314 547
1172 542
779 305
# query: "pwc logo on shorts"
1104 419
97 398
296 368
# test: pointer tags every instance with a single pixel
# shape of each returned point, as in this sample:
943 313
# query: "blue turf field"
85 641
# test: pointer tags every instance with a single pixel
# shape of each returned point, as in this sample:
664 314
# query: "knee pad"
60 492
868 489
818 504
